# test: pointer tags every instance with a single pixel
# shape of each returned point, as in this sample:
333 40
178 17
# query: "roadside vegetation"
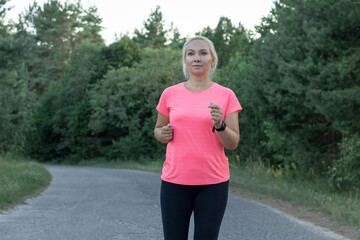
301 189
20 179
65 95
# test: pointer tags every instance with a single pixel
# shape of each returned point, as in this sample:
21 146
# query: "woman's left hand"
216 114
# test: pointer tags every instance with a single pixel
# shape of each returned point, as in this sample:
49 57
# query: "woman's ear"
213 62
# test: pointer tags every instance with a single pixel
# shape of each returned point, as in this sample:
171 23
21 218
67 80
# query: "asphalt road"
85 203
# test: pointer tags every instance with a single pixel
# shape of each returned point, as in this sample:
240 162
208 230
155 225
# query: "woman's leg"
176 209
209 209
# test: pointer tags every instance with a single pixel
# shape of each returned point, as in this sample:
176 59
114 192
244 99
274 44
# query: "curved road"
85 203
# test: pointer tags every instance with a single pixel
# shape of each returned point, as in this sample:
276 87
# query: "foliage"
16 100
124 104
43 140
3 12
90 26
122 53
57 104
344 174
305 63
228 39
15 111
153 34
292 185
70 24
79 138
236 76
176 41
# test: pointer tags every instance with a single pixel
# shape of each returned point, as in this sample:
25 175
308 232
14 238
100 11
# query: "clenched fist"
167 132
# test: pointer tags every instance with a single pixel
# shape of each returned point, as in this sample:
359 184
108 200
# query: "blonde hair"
212 52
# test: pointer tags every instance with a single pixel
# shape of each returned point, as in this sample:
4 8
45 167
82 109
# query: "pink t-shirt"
195 155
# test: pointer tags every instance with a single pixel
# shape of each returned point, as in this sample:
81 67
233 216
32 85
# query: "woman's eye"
204 53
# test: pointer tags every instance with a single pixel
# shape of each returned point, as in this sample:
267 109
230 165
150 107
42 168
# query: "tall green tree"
16 100
90 26
237 75
228 40
153 34
305 79
54 24
52 137
176 41
2 14
57 28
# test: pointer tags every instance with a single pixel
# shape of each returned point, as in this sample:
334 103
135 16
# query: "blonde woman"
197 119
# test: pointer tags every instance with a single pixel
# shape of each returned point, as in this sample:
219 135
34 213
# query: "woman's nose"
197 58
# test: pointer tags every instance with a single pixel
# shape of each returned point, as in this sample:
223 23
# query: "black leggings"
179 201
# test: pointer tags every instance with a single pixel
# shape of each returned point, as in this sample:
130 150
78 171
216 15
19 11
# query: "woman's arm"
163 130
230 136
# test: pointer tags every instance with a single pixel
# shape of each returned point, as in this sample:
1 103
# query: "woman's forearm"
229 138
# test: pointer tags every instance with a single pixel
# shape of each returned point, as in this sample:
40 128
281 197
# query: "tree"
238 75
79 138
122 53
57 28
153 35
90 25
123 105
17 104
16 100
2 15
54 25
176 41
305 67
228 40
57 113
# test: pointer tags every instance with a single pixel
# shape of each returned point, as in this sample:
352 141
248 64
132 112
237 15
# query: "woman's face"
198 58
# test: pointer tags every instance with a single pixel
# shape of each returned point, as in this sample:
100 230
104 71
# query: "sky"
189 16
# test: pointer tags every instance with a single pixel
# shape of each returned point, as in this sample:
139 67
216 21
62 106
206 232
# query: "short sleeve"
163 106
233 103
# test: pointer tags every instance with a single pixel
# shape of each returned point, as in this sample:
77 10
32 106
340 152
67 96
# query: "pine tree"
16 100
305 79
153 35
228 40
90 27
57 28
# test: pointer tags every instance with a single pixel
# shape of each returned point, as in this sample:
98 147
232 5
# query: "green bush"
345 172
79 139
123 105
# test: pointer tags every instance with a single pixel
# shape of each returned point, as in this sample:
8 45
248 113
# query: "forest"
66 95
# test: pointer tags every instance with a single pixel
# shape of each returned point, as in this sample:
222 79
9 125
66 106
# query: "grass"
302 189
20 179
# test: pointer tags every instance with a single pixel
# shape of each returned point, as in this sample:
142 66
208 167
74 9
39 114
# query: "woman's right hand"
163 130
167 132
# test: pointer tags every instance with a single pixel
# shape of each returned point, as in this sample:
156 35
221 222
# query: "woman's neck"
197 85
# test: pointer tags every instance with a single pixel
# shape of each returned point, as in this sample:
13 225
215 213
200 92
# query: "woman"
197 119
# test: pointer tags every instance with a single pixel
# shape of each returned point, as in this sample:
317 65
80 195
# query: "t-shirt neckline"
199 91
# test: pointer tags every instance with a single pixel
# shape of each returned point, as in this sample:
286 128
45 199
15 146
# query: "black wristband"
222 127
